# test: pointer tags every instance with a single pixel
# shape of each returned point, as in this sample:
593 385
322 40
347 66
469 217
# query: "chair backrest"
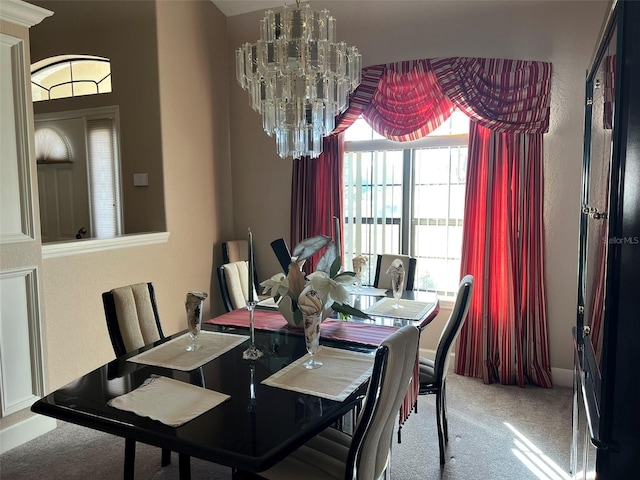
393 369
235 251
238 251
383 279
132 317
283 254
452 328
234 285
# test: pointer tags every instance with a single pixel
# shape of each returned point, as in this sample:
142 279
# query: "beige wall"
191 110
126 34
563 33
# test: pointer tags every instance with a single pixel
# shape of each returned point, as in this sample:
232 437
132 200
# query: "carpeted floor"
495 432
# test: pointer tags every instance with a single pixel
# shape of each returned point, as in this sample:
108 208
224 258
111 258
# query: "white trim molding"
27 430
562 377
21 351
91 245
22 13
17 210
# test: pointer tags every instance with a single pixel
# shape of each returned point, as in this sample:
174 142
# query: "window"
408 198
104 178
66 76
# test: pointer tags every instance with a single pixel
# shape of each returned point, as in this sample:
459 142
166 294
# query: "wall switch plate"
140 179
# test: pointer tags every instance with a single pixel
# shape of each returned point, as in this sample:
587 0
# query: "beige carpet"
495 432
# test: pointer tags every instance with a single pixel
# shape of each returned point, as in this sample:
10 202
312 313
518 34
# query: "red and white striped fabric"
502 95
505 335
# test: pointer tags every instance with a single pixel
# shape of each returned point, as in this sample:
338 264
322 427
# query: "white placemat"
367 291
173 354
168 401
411 309
342 372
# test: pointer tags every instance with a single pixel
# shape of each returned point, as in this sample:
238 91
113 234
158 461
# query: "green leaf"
297 317
345 274
309 246
335 267
328 259
348 310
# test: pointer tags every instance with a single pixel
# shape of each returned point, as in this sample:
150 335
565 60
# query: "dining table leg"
129 458
184 466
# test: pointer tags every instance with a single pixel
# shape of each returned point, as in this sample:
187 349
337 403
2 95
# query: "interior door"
64 196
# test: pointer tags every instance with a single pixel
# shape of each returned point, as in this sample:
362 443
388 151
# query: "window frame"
54 62
407 220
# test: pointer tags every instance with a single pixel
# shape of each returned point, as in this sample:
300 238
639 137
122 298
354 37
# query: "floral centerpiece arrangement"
298 293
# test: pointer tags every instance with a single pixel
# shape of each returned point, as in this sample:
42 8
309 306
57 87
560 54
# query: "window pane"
61 91
90 70
456 208
52 75
360 130
431 201
374 193
84 88
105 85
70 76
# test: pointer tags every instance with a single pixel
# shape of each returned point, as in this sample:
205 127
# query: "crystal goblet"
193 304
312 338
397 285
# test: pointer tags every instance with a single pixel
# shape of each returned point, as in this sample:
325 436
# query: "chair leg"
440 426
184 466
129 458
166 457
445 423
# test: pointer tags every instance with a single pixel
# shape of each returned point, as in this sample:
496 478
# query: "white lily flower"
329 289
276 285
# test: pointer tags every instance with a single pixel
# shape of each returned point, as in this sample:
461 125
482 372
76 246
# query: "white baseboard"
561 377
22 432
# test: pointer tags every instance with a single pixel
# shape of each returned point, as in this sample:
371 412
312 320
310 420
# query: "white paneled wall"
21 379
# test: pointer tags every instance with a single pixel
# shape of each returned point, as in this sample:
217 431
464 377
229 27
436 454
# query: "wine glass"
193 304
397 285
358 264
312 338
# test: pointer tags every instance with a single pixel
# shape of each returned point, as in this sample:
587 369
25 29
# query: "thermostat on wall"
141 179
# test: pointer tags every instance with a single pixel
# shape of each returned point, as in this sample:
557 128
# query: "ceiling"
237 7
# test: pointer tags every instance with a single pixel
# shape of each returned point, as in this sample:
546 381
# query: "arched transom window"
66 76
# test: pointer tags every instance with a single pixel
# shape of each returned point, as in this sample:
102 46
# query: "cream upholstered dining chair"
133 322
132 317
334 454
234 285
383 279
433 373
237 251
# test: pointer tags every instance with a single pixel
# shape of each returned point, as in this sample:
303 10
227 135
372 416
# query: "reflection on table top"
364 302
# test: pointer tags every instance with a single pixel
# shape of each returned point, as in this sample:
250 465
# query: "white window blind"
104 178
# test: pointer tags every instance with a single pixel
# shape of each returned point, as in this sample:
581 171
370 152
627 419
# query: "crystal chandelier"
298 77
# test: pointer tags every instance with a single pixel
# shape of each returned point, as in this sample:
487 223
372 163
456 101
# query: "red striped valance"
407 100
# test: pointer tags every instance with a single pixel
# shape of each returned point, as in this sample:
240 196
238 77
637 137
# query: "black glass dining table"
247 432
254 429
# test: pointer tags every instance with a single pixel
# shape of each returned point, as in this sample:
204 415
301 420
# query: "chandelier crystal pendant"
298 77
